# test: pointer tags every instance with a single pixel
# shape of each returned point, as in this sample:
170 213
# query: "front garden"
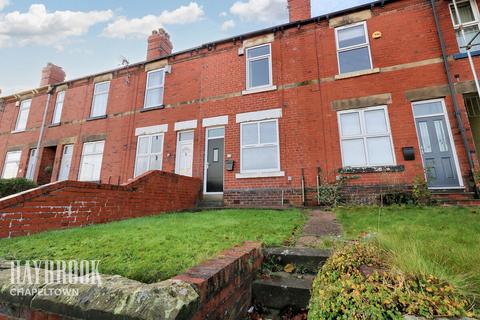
155 248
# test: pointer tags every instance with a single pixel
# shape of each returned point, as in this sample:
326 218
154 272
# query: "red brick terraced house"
382 92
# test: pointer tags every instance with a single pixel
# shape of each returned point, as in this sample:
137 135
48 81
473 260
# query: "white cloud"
222 14
3 4
37 26
229 24
261 10
123 27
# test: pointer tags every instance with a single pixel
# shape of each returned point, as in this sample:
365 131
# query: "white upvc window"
353 48
260 150
365 137
22 117
57 112
155 88
100 99
259 67
149 153
32 160
91 162
12 163
470 19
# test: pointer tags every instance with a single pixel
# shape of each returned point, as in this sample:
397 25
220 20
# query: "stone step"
305 260
282 290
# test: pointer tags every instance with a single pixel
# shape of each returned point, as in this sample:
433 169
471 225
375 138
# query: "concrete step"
305 260
282 290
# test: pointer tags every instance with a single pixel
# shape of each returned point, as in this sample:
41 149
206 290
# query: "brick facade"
210 81
69 204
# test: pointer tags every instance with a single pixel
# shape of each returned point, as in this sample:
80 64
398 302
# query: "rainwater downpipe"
453 93
42 130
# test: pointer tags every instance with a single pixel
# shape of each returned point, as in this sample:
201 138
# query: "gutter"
453 93
210 45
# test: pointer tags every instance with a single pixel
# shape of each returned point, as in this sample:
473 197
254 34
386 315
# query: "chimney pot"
299 10
52 74
159 44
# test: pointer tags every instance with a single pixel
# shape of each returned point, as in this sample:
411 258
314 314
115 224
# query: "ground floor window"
91 162
149 153
365 137
12 163
260 146
31 164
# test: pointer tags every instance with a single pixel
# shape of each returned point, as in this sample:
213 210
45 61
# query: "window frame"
95 94
270 72
5 162
363 135
22 107
476 22
147 88
83 155
58 107
259 145
350 48
149 154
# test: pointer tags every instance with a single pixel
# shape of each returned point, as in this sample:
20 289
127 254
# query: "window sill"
251 175
152 108
463 55
97 118
356 74
371 169
53 125
258 90
18 131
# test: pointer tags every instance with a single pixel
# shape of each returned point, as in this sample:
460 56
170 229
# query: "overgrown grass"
444 242
157 248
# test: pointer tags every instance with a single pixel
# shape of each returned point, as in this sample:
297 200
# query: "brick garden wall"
70 204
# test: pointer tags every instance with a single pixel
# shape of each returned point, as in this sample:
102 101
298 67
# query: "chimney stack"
299 10
52 74
159 44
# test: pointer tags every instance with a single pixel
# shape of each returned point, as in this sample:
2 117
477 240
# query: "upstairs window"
260 146
57 112
155 88
353 48
149 153
12 163
365 137
100 99
91 162
469 17
259 67
22 117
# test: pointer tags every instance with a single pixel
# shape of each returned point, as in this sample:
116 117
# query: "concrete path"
321 225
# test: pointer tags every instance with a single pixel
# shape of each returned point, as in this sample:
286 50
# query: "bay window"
366 138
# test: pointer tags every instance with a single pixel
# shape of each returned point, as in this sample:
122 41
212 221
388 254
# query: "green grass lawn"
157 248
441 241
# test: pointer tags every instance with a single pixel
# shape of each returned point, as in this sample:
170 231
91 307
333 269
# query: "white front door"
31 164
66 162
184 158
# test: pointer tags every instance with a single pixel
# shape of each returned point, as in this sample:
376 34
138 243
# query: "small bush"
12 186
355 283
421 193
395 198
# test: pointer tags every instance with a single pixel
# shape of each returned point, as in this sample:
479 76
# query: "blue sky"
89 36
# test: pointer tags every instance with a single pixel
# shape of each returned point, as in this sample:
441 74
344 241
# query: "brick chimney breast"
299 10
159 44
52 74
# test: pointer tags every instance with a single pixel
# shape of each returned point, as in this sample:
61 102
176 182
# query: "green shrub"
12 186
396 198
355 283
421 193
